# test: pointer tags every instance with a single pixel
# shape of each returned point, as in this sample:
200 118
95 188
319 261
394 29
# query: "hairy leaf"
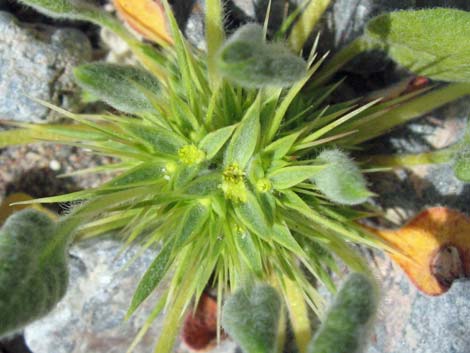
249 61
344 329
341 180
430 42
251 317
118 85
29 287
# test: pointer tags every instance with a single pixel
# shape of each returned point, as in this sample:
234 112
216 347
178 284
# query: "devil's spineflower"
230 162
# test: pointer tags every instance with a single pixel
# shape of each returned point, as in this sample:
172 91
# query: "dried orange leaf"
147 17
200 327
433 248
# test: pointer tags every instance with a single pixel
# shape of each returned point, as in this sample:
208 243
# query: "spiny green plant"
253 317
222 159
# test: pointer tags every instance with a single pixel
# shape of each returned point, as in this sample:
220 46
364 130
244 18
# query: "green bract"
229 163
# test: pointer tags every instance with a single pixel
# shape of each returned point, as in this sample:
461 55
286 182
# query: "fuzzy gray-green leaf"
346 325
430 42
251 62
29 287
251 317
70 9
118 85
341 180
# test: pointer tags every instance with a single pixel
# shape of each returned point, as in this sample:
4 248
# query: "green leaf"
143 173
341 180
252 216
204 185
152 277
193 221
251 317
29 287
117 85
23 137
283 236
30 133
461 165
61 8
287 177
158 140
246 59
430 42
214 141
249 251
279 148
346 325
245 139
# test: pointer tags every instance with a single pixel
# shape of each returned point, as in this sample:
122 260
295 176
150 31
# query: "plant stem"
353 49
307 21
214 36
298 314
408 160
379 123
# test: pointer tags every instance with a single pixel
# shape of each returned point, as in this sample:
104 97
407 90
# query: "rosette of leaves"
218 160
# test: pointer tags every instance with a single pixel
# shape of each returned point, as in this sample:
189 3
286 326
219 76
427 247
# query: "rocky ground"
36 58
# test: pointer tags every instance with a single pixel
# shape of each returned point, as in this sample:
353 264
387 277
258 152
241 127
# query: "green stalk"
409 160
307 21
346 54
298 314
214 36
379 123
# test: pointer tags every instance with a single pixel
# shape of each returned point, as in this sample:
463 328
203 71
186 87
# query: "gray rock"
194 28
411 322
37 61
248 7
90 318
